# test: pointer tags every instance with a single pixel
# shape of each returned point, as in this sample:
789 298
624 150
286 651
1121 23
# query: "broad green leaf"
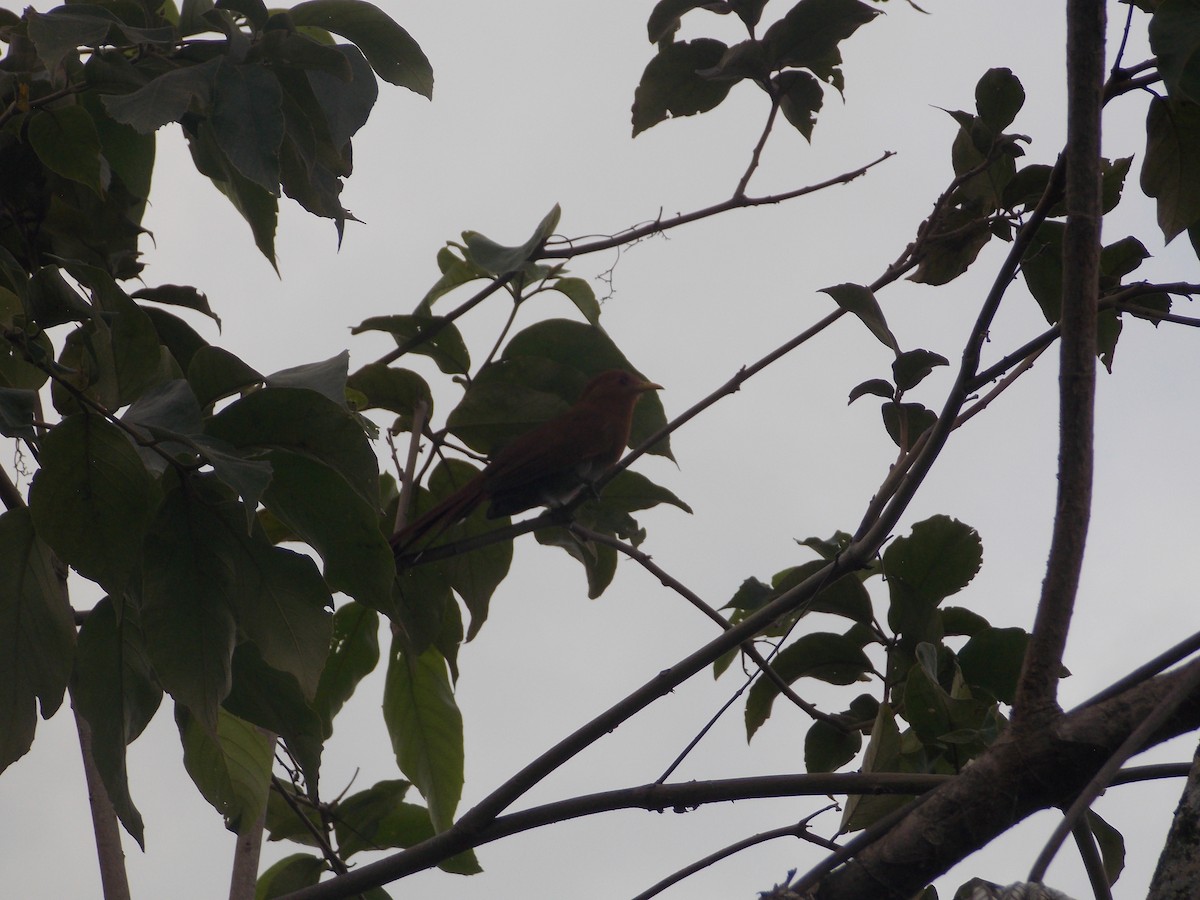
1171 167
1175 39
57 33
861 301
631 491
809 34
327 378
599 561
166 98
37 634
671 86
456 272
875 386
305 422
910 368
215 373
189 594
390 388
827 749
939 558
290 874
66 141
353 654
92 499
445 346
178 295
882 755
905 422
17 407
958 620
113 687
800 99
426 730
392 52
1042 268
247 122
992 660
961 234
486 254
320 506
23 344
845 597
664 18
273 700
999 96
581 294
231 766
283 611
828 657
180 338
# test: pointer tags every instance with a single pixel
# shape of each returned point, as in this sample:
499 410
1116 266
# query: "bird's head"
617 385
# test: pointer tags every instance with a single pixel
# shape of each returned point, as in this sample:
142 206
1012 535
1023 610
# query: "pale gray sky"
531 108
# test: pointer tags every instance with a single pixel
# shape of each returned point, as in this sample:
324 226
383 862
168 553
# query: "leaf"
66 141
17 407
671 86
58 33
906 422
247 122
631 491
397 390
581 294
664 18
829 657
962 233
910 368
936 560
215 373
883 755
861 301
426 730
1171 168
827 749
113 687
37 634
800 99
305 422
445 347
809 34
92 499
392 52
353 654
166 98
189 592
1175 39
178 295
484 253
327 378
999 96
231 767
1111 843
876 386
1042 269
992 660
290 874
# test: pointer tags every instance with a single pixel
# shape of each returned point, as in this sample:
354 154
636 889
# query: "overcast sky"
531 108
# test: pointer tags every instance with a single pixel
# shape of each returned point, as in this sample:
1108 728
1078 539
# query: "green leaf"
113 687
1171 168
1175 39
829 657
176 335
958 620
581 294
905 422
445 347
392 52
247 122
630 491
827 749
1111 843
189 593
66 141
939 558
353 654
861 301
178 295
992 660
800 99
961 234
664 18
999 96
37 634
874 386
397 390
1042 268
671 86
215 373
599 561
58 33
883 755
290 874
327 378
484 253
305 422
809 34
92 499
231 767
17 407
911 367
320 506
426 729
166 98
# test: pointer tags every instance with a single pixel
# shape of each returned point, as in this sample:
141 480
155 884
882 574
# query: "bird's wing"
578 438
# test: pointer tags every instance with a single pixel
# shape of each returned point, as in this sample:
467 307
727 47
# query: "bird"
548 465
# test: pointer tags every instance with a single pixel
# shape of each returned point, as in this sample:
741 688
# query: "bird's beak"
648 386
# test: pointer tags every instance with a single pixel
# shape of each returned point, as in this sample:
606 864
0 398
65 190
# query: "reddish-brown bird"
548 465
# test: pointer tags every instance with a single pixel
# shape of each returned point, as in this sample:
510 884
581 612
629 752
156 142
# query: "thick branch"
1037 692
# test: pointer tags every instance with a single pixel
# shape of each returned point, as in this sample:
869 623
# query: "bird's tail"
457 506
